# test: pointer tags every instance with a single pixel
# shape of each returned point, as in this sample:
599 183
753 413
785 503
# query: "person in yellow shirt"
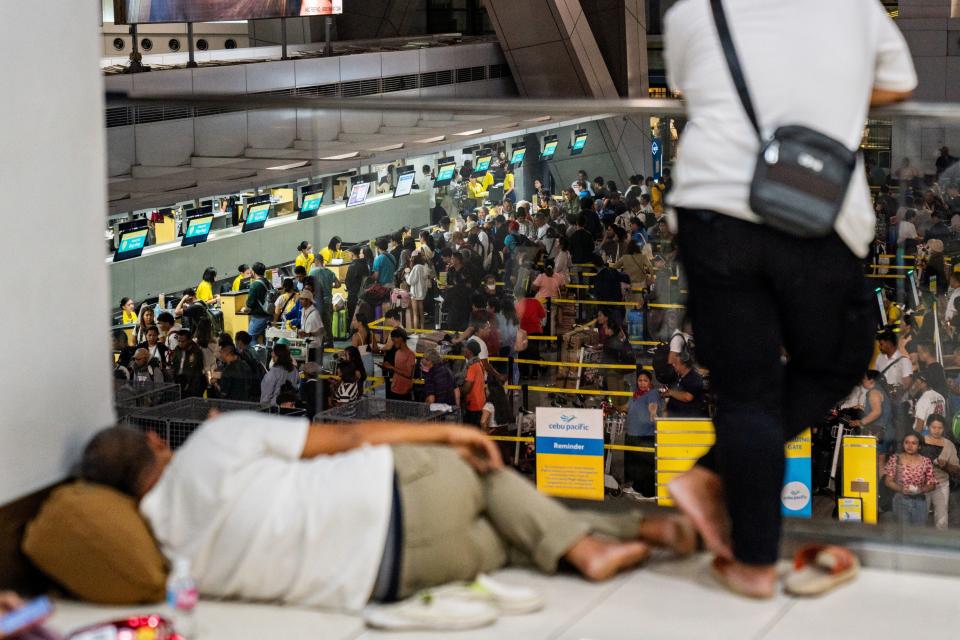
331 251
243 273
128 307
509 185
205 288
305 258
487 181
475 189
656 195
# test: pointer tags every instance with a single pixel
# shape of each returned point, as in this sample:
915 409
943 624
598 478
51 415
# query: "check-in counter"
170 267
231 303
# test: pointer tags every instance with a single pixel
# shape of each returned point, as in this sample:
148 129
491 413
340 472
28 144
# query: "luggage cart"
614 424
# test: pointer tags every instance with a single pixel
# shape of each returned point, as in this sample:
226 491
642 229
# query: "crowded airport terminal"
482 319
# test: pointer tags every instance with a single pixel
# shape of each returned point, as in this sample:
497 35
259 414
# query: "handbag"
801 177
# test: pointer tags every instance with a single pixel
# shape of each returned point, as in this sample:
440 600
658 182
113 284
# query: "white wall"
54 384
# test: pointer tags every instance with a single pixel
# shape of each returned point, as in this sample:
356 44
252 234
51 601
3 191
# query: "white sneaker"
424 612
510 600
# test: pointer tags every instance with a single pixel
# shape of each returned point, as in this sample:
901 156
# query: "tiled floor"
666 600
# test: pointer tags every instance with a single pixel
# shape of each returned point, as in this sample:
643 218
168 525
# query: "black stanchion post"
509 380
549 316
525 389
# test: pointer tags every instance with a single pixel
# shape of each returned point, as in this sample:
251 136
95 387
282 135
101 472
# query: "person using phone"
21 620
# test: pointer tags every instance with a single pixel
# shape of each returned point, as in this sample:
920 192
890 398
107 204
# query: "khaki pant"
939 498
457 524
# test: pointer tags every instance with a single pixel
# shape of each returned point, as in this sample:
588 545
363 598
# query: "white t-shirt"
906 231
678 341
896 373
311 322
951 299
929 403
259 523
793 55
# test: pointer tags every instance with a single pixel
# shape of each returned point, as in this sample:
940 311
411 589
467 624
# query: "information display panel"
579 142
131 244
518 155
404 184
311 199
257 215
549 148
445 169
358 194
198 228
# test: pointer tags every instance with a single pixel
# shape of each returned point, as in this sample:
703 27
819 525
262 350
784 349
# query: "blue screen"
483 163
549 149
133 242
518 155
199 229
445 172
579 143
258 213
311 201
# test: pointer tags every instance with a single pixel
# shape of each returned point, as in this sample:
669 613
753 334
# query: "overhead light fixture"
389 147
292 165
431 140
540 119
472 132
342 156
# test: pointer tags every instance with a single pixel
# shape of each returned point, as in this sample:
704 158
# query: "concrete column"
55 386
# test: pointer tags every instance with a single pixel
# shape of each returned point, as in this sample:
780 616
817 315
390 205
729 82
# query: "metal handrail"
538 106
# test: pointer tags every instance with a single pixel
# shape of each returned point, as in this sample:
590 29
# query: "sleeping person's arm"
474 447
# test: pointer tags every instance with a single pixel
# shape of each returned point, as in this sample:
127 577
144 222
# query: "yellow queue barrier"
680 442
860 477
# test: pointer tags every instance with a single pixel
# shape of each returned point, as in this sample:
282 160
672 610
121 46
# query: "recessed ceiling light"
292 165
472 132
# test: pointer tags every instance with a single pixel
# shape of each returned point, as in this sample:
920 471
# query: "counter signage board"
797 494
656 150
570 453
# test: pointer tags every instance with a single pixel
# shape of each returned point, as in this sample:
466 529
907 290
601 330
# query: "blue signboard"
656 149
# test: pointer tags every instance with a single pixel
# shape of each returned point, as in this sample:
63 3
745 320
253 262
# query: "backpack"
662 368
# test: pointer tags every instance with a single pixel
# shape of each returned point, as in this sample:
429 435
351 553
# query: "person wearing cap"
929 402
311 324
404 363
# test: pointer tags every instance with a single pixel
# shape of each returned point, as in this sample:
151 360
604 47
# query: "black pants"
753 290
472 417
639 467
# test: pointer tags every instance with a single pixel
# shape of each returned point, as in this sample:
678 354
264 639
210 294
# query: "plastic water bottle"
182 598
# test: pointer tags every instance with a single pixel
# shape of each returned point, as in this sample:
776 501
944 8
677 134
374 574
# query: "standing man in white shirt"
894 365
754 289
929 402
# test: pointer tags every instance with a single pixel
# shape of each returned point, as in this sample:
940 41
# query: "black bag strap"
733 64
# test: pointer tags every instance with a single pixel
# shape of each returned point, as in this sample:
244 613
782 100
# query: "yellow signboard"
570 453
860 473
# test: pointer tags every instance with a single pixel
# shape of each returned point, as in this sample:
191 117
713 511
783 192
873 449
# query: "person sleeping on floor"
274 508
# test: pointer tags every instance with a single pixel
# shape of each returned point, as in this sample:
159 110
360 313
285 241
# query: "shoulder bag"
801 176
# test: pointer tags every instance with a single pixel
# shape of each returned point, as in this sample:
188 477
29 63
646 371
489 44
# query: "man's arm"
882 97
478 450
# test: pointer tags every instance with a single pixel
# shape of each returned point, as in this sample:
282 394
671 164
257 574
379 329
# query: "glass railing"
841 493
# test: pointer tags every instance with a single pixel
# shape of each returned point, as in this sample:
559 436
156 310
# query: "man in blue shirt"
384 265
639 467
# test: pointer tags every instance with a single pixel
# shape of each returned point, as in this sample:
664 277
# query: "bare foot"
752 581
676 533
699 494
600 560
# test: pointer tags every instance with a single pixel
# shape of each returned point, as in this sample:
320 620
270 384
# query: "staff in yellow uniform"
305 257
475 190
331 251
205 288
487 181
243 273
509 185
128 308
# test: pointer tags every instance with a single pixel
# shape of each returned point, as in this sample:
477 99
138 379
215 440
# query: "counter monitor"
309 204
579 142
445 169
517 156
549 148
358 194
483 160
198 228
131 244
404 184
257 215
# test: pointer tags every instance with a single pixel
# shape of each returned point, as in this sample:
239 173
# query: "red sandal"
819 568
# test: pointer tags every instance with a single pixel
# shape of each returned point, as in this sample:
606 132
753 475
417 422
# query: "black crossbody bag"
802 176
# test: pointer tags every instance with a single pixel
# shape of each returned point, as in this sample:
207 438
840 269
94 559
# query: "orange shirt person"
404 362
474 385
